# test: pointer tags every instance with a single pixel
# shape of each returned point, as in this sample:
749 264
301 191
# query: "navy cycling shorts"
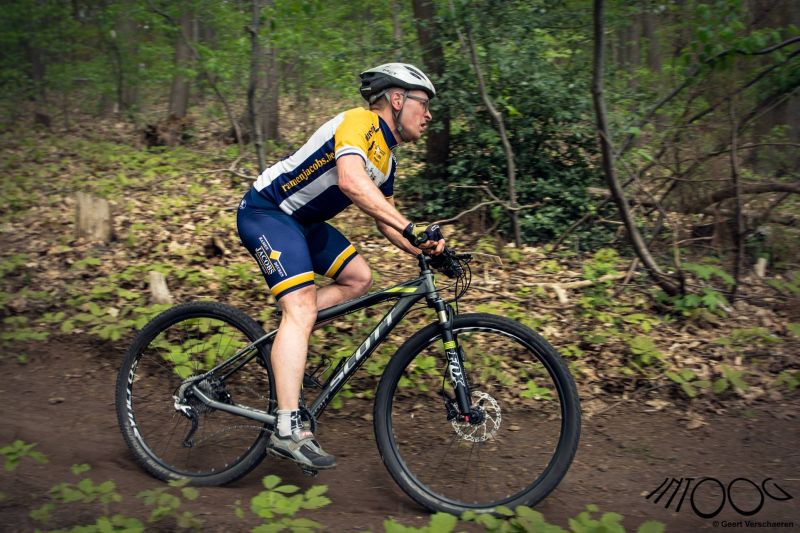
287 251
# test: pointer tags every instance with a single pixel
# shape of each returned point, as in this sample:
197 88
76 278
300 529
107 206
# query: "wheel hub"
483 421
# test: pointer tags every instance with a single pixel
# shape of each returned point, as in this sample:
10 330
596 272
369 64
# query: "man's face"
416 115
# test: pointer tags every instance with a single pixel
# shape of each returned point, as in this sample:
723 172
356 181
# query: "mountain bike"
473 411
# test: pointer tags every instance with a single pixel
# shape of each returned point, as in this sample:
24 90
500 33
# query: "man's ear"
397 100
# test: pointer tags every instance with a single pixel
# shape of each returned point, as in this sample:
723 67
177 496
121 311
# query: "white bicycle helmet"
376 81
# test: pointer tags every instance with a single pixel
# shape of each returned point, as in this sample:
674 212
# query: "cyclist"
282 223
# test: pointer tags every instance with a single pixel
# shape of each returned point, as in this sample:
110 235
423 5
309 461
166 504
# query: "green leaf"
651 526
238 510
43 513
737 381
304 523
316 490
317 502
444 523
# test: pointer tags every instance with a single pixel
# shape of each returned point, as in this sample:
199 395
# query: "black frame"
407 295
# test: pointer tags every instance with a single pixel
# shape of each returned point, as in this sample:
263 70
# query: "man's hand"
430 240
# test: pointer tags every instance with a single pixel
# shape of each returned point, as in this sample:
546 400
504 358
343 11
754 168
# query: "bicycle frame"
407 295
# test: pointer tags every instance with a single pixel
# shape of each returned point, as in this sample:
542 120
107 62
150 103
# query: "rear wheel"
186 341
514 453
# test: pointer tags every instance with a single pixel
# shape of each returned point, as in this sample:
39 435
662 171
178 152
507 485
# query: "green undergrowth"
176 218
279 507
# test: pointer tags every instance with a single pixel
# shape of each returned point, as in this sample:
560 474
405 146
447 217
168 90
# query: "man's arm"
356 185
396 237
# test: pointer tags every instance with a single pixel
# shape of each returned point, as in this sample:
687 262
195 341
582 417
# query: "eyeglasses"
426 102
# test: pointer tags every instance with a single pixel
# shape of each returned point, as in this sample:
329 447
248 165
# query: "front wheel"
518 449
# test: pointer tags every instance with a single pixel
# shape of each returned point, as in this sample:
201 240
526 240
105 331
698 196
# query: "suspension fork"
455 361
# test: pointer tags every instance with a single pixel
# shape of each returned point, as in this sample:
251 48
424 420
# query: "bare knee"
356 278
299 309
361 284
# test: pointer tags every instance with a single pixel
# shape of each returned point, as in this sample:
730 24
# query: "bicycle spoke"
178 349
499 458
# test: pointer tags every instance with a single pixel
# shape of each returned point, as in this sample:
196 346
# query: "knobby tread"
150 331
563 381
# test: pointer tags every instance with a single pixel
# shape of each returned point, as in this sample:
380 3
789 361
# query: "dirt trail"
62 399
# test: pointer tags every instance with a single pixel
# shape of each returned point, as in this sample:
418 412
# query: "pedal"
310 472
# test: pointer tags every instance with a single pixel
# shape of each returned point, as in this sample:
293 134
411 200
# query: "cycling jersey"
281 220
305 184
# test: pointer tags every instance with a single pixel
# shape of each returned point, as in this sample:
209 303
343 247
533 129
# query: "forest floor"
707 390
62 399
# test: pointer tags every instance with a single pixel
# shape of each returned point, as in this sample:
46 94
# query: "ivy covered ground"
679 388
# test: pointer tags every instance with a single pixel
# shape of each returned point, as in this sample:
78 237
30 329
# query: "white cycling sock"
288 421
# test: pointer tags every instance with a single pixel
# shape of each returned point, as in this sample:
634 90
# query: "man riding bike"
282 223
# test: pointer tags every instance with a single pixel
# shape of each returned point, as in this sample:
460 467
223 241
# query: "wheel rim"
187 347
507 457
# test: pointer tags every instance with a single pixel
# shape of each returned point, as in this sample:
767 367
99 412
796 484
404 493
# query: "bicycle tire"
190 338
521 451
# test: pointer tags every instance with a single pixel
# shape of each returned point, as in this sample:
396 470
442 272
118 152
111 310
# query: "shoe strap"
302 434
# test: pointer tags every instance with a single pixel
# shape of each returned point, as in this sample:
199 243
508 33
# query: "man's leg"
354 280
289 351
290 347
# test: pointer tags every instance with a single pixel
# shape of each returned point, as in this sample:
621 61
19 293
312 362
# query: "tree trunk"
263 118
253 85
40 115
124 49
738 237
649 28
270 113
179 94
437 147
668 284
397 34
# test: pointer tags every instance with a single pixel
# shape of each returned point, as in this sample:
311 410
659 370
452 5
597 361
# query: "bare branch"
744 87
667 283
469 49
494 200
484 204
231 170
626 144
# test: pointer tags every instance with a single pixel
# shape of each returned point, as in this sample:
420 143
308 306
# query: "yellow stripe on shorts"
346 254
288 283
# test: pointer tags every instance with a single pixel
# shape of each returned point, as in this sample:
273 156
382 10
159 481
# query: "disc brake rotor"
488 427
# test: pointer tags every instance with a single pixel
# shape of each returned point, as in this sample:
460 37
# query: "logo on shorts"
269 258
243 204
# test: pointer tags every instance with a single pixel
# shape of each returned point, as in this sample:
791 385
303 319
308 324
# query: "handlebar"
449 263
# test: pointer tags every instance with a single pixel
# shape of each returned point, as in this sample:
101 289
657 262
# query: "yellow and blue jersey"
282 218
305 184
